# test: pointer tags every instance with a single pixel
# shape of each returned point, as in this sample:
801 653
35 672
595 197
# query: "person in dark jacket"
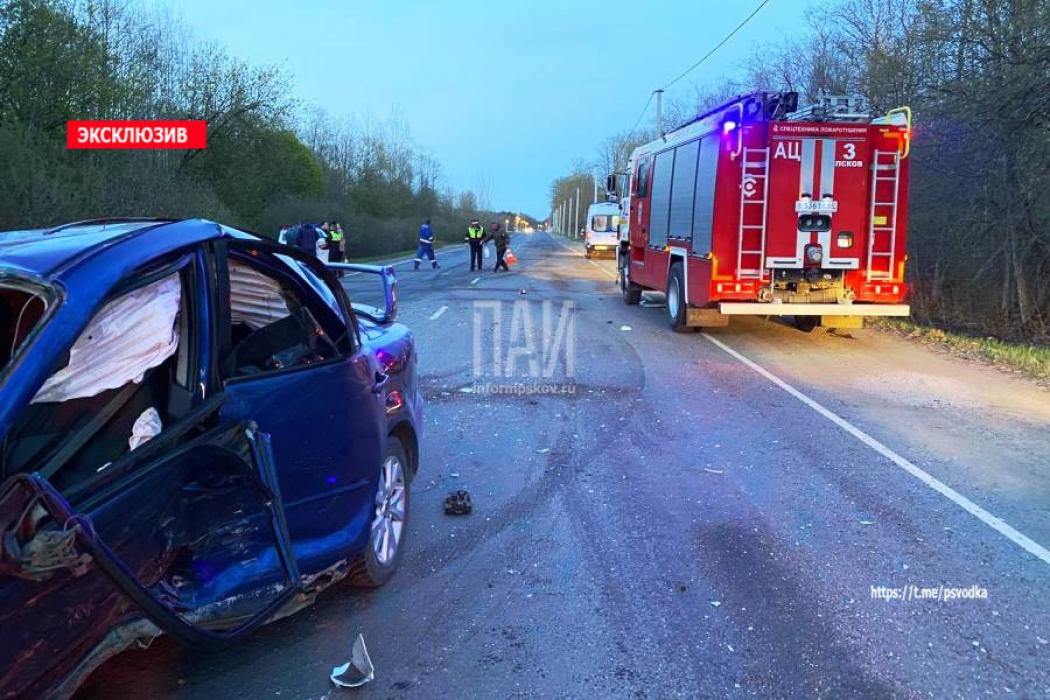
502 240
304 237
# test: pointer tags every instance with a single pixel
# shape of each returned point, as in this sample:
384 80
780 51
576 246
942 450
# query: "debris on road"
523 291
625 328
652 304
713 471
356 672
543 450
866 522
458 503
715 603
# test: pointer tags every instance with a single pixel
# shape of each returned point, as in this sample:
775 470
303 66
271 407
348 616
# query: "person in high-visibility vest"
475 238
336 245
426 246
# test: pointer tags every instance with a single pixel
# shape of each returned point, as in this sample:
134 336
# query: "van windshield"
21 310
600 223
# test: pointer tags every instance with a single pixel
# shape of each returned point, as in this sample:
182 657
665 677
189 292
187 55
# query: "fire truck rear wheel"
806 324
630 291
676 303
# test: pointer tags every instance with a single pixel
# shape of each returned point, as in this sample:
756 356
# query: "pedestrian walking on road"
426 246
475 239
502 240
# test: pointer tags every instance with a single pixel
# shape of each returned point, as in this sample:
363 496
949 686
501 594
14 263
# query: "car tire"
676 302
587 252
806 324
378 562
631 292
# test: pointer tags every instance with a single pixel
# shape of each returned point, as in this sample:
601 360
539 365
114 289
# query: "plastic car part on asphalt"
458 503
358 670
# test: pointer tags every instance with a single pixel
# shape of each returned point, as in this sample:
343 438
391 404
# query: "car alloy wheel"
389 521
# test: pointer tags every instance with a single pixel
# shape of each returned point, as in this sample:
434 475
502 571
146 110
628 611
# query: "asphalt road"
678 522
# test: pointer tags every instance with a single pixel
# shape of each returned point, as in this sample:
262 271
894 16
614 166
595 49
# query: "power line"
693 67
717 46
639 119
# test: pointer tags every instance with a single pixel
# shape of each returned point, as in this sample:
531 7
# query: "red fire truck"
758 207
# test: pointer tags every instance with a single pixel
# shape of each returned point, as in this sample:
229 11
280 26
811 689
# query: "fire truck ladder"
754 178
882 236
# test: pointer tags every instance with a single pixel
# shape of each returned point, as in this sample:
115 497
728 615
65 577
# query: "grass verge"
1030 360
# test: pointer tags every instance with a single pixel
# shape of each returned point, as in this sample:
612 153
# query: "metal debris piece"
625 328
713 471
458 503
715 603
356 672
523 291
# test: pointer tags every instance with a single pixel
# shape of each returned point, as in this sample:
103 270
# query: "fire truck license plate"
817 207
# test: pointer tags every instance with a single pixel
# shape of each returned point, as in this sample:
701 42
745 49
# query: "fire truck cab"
758 207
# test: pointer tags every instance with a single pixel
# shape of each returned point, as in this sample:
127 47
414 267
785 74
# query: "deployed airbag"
255 299
130 335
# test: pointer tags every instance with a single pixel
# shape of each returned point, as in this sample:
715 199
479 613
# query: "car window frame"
346 344
180 262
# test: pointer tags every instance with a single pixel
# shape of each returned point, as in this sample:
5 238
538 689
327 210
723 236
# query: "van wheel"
676 303
806 324
386 536
630 291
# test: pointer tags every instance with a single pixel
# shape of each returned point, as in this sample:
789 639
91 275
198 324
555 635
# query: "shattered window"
20 312
114 389
129 336
271 327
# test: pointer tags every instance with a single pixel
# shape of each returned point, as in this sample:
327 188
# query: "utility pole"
576 218
660 113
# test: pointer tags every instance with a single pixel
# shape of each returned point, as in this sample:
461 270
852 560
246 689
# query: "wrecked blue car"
198 433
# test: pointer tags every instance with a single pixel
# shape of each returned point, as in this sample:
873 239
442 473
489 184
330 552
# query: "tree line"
976 74
270 160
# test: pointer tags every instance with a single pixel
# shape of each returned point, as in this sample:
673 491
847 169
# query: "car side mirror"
610 183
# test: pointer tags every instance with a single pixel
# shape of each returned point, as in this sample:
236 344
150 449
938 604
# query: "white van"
602 232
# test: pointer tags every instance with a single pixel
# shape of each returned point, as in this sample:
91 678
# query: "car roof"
54 252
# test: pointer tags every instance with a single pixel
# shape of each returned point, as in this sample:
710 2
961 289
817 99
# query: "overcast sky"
512 92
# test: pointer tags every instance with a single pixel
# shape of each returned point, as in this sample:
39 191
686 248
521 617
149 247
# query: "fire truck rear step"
757 308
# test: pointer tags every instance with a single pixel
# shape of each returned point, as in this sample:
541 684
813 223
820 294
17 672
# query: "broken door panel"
194 540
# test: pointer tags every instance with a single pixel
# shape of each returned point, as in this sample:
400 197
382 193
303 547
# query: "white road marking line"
576 252
475 280
437 314
992 521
